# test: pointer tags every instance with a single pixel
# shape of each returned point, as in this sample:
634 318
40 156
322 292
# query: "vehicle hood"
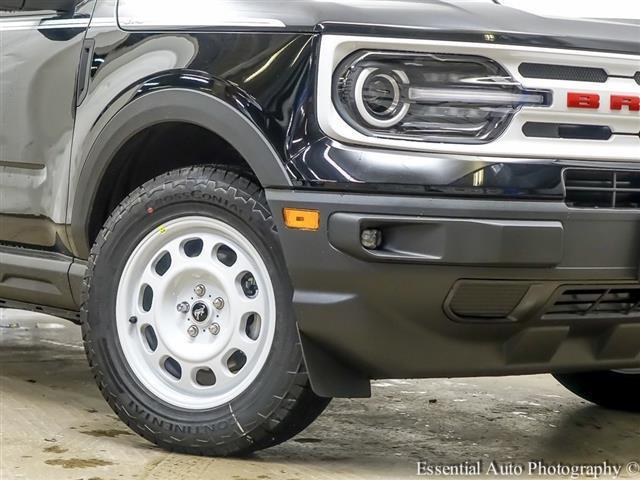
409 18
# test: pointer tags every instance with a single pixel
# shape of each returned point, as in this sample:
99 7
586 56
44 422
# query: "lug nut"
200 290
214 329
371 238
192 331
218 303
183 307
133 320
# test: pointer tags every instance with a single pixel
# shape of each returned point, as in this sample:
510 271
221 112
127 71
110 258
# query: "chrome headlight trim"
512 143
429 97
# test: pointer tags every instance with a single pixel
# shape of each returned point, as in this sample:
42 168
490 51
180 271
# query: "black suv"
254 206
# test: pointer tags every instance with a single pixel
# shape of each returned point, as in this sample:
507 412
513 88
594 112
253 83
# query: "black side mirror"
33 5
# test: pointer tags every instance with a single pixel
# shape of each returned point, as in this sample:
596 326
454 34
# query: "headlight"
429 97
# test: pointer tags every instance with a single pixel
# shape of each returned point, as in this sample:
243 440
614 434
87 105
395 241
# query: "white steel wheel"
195 312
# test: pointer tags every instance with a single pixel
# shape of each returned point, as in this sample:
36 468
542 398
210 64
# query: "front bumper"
397 312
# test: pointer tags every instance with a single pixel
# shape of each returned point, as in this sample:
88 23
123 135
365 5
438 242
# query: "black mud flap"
329 376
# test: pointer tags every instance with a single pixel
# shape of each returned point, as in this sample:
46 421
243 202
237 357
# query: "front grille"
566 130
585 188
596 303
563 72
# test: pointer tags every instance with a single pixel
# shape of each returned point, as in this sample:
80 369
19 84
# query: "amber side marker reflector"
301 219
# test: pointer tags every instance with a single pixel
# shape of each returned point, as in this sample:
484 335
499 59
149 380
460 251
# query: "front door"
39 59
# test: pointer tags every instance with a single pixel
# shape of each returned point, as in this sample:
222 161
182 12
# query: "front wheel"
616 389
187 317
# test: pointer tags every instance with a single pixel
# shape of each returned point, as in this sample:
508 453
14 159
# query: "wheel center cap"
200 312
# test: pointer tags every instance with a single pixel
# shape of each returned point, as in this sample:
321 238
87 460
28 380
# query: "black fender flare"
170 105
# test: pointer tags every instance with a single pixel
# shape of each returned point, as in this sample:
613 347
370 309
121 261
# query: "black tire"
279 403
610 389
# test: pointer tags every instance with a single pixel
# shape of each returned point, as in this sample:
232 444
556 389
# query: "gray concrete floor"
55 425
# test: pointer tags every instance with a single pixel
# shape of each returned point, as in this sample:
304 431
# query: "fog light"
371 238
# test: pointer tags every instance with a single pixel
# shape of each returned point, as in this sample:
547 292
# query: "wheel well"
155 150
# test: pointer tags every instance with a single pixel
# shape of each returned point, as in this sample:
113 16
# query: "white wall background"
618 9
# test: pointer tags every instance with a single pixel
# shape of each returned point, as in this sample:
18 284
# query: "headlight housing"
446 98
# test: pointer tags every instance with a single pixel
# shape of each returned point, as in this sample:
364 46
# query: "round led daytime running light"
398 109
